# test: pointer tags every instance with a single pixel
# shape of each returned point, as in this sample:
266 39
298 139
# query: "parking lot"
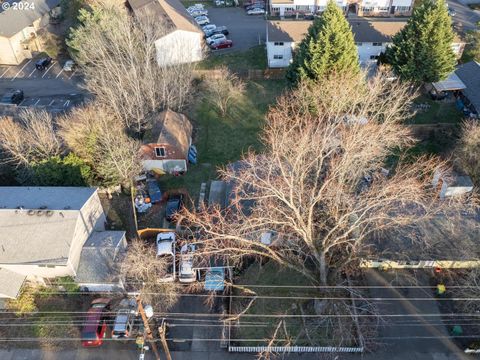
245 30
53 104
27 70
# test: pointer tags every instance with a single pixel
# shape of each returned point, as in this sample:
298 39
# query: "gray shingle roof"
469 73
10 283
13 21
99 256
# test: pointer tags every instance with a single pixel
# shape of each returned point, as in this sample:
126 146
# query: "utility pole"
147 327
162 330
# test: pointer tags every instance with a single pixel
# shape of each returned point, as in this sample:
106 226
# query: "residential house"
359 7
469 74
167 145
371 36
19 28
183 40
44 230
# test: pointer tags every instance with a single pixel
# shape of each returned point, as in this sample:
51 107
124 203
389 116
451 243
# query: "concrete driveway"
465 17
245 30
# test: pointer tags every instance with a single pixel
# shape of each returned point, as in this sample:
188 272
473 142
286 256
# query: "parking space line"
28 62
36 102
61 71
53 63
51 102
21 102
4 72
32 72
72 74
66 103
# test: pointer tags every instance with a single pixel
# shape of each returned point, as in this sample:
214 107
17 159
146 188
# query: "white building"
43 232
183 41
359 7
371 37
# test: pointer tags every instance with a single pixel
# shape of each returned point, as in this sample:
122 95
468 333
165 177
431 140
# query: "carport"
452 83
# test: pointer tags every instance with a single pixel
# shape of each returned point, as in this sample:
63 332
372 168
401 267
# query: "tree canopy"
422 50
329 47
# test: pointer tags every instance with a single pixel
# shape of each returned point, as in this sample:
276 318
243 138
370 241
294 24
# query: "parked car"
218 30
43 63
215 279
202 20
166 250
95 327
154 191
69 65
196 7
256 11
451 12
255 6
223 45
216 39
14 97
208 28
187 273
124 323
254 2
174 204
196 13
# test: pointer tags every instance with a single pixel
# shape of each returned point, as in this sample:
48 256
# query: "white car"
216 39
208 28
69 65
166 250
187 273
196 7
197 13
202 20
256 11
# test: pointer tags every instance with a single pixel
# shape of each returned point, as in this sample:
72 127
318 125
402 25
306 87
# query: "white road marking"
61 71
72 74
36 102
51 102
66 103
4 72
23 67
53 63
34 69
21 102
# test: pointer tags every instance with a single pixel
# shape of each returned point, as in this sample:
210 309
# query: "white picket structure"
295 349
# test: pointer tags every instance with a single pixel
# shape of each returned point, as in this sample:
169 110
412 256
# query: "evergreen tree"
328 47
422 51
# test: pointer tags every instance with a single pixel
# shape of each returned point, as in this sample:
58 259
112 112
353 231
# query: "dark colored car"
154 191
43 63
254 2
174 204
12 97
95 327
218 30
223 45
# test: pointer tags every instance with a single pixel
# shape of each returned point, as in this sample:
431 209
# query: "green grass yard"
438 112
221 140
254 58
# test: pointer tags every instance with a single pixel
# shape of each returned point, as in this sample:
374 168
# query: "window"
383 9
401 9
359 44
303 8
278 43
377 44
278 57
373 57
160 152
47 266
367 8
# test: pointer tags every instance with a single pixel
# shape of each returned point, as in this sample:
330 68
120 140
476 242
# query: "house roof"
99 257
171 10
453 82
10 283
37 224
363 30
469 73
170 128
13 21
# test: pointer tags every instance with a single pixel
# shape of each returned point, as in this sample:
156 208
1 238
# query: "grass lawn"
254 58
439 112
282 282
221 140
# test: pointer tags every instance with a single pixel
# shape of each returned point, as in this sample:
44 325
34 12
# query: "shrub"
24 303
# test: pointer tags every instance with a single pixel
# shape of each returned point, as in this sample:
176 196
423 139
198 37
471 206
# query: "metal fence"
295 349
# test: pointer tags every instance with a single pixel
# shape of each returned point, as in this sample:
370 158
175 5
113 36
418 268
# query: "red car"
222 45
95 327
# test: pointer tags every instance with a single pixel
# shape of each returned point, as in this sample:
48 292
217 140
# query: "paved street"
245 31
465 16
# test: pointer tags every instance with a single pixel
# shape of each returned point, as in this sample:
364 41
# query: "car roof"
121 320
164 243
93 318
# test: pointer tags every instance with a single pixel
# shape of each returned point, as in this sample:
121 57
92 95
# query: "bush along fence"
248 74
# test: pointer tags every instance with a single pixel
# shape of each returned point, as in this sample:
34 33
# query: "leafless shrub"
142 268
31 138
468 150
223 88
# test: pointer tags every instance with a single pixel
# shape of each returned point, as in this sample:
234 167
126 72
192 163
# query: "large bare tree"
320 186
118 56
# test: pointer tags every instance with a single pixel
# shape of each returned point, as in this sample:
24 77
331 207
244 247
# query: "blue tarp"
214 280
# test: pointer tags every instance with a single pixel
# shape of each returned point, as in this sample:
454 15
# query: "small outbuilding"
167 146
453 184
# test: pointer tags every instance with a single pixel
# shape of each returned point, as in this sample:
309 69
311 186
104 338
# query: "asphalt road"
465 16
245 30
